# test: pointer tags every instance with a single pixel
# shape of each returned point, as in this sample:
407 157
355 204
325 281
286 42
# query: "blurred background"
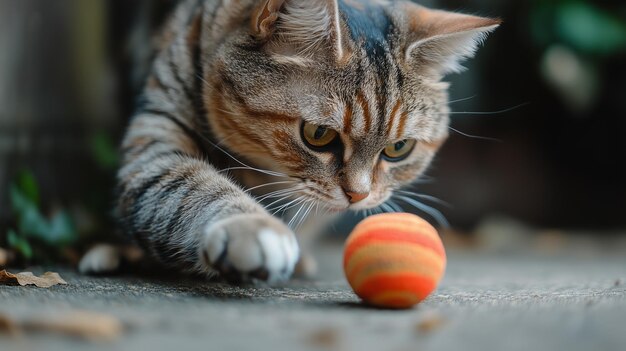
538 137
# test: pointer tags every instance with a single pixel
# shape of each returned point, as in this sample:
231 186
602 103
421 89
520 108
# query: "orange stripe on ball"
395 299
388 236
400 256
418 285
394 219
422 229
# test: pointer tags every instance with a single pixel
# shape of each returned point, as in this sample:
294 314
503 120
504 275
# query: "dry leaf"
47 280
87 325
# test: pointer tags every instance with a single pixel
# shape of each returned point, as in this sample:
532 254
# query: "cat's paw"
250 248
101 259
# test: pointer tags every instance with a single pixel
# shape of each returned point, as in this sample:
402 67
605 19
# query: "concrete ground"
487 301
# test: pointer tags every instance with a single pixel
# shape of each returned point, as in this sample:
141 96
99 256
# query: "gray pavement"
487 301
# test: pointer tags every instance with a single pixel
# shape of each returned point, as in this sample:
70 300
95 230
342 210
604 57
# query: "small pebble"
326 338
430 324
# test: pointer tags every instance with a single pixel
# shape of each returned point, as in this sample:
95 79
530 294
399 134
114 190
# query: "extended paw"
248 248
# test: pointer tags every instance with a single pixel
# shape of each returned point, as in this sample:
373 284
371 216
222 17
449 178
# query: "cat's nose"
356 197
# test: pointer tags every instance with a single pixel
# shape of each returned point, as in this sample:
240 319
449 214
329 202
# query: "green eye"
399 151
317 136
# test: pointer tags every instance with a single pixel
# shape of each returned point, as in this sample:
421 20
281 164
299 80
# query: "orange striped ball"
394 260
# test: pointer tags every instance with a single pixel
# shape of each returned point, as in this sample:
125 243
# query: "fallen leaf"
87 325
47 280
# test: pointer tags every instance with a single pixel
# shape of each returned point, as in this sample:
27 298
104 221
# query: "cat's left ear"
300 28
439 40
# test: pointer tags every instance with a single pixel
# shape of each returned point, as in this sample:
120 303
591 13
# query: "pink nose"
356 197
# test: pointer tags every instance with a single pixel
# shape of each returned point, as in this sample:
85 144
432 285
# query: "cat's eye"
318 136
399 151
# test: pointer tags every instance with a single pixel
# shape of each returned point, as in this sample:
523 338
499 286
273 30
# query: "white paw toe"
252 248
100 259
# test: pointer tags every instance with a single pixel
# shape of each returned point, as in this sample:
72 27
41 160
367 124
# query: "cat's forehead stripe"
392 117
347 119
404 116
367 116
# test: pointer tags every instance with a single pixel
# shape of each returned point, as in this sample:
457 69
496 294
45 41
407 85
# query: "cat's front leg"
248 248
188 215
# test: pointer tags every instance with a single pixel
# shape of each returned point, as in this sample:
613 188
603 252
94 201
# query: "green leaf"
590 29
24 193
19 201
31 223
59 231
19 244
104 151
28 185
62 230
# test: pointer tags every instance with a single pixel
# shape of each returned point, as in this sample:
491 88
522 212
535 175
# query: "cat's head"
344 95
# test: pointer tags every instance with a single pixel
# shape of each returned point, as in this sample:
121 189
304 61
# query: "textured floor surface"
486 302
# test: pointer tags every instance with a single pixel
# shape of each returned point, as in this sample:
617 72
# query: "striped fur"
221 112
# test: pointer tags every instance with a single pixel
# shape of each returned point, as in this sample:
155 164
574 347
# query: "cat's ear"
300 28
264 18
439 40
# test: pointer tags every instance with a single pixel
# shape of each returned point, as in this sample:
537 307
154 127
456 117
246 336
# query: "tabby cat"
259 115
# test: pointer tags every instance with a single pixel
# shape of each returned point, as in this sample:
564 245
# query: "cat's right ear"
438 41
264 18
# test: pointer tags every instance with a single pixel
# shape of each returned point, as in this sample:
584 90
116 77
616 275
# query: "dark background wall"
66 91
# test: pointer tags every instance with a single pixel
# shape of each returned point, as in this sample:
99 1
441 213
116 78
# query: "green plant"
34 229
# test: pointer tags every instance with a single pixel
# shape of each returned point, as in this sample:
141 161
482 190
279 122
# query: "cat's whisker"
445 103
282 209
387 208
283 206
425 197
293 219
462 99
305 214
248 168
245 166
475 136
395 206
434 213
489 113
279 203
270 184
278 193
274 195
300 199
